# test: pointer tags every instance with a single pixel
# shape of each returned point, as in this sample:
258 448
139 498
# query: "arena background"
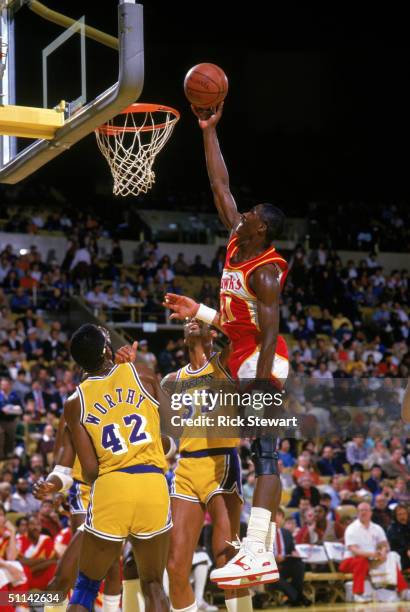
316 120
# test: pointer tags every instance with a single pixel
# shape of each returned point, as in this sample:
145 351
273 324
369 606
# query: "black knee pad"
265 456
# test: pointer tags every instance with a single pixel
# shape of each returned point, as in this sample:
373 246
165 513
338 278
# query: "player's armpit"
81 440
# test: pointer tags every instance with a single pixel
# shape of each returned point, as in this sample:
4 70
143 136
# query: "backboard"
68 67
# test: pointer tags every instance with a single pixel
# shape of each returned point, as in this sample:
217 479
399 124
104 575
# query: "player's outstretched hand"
208 118
181 305
127 353
43 488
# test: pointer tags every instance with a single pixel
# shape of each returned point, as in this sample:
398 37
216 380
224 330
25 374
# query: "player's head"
196 331
265 220
91 347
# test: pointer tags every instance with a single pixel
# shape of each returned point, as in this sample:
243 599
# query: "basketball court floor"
370 607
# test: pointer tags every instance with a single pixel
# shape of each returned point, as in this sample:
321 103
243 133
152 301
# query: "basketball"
205 85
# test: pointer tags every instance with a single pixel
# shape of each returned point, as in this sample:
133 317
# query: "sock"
165 583
258 525
62 607
239 604
132 596
111 603
192 608
200 578
270 539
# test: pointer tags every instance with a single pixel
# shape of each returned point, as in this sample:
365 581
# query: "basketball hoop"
130 142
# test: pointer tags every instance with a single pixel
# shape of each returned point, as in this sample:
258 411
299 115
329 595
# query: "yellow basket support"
30 122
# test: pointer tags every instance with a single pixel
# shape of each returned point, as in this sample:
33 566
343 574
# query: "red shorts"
243 359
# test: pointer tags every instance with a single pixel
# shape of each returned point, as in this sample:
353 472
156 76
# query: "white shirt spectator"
377 355
81 255
366 539
96 297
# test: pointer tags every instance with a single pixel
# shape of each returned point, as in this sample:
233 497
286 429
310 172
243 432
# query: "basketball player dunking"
252 279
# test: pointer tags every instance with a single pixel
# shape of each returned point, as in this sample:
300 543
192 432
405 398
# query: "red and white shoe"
250 566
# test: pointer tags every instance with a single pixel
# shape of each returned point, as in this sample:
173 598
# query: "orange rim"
112 130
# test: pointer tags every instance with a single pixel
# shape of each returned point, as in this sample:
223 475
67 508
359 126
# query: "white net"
130 142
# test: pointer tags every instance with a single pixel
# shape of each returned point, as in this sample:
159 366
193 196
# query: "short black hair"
87 347
274 219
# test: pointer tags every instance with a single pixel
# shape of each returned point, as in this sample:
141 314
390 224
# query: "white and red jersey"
62 540
4 543
44 548
239 313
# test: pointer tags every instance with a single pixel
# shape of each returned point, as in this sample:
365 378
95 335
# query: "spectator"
285 455
356 452
198 268
373 483
45 445
397 466
180 266
381 514
304 468
379 455
5 495
401 493
303 507
398 535
304 489
49 519
290 565
308 534
329 465
22 500
10 409
146 355
366 542
37 555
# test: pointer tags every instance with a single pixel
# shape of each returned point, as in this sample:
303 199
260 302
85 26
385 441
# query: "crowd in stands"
347 328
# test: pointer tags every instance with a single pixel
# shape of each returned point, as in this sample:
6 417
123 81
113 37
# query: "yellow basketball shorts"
79 497
131 501
202 474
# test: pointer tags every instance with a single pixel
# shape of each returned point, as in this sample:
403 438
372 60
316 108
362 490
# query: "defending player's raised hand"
42 488
208 118
182 306
127 353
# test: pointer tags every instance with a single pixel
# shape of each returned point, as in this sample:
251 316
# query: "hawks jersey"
4 543
204 378
43 549
62 540
239 314
122 420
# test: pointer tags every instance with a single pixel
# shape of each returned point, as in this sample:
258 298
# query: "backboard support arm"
111 102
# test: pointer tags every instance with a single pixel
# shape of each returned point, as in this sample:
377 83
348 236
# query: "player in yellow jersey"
114 422
79 497
207 477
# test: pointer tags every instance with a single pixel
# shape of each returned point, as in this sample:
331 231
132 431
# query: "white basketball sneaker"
250 566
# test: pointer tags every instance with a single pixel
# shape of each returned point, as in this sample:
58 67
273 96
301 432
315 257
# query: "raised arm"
265 283
217 172
64 454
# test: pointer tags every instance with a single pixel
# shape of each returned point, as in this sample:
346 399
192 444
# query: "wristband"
206 314
64 474
172 448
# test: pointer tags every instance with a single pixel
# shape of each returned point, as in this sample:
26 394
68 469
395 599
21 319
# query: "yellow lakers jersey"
212 370
122 420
